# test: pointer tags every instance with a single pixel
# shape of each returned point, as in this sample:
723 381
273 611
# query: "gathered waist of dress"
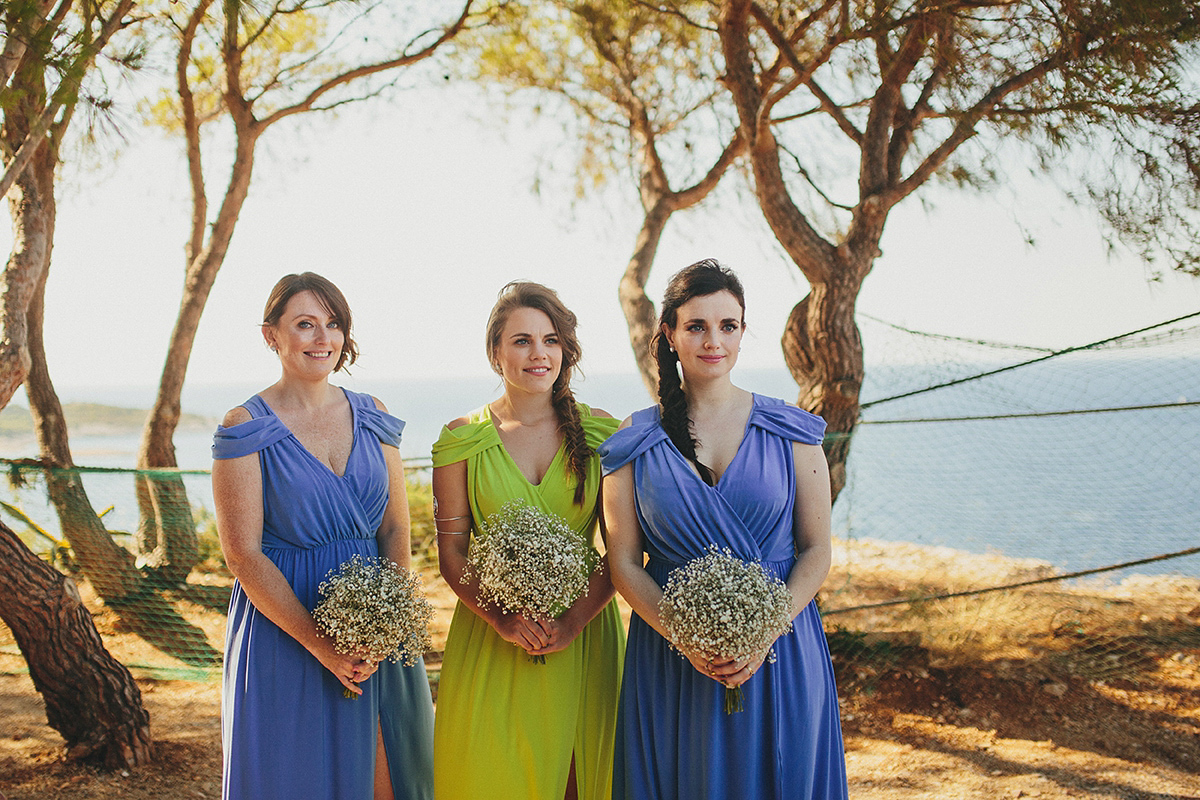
660 568
274 543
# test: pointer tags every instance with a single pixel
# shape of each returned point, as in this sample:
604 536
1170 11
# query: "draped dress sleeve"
674 739
287 731
508 728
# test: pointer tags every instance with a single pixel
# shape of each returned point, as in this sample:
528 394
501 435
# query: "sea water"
1077 490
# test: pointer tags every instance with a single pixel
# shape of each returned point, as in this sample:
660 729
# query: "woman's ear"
268 334
669 335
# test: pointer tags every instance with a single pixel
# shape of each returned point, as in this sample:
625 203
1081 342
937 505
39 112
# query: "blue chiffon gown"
674 739
287 730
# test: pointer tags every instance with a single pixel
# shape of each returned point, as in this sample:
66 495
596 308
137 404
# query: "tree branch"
835 112
65 93
686 198
309 102
907 121
675 12
803 72
811 253
965 128
191 129
877 135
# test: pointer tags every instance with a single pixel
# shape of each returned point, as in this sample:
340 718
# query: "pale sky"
420 214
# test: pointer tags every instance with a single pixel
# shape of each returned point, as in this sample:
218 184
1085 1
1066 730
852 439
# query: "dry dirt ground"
1029 722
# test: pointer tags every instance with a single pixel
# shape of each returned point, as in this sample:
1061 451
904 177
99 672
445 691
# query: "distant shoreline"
93 419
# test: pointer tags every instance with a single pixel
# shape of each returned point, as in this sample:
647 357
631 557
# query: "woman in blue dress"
307 475
713 464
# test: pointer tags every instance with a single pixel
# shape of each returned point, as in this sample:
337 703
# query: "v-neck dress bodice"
674 739
287 731
507 728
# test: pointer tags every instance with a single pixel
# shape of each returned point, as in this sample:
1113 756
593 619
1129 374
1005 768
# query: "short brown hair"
331 299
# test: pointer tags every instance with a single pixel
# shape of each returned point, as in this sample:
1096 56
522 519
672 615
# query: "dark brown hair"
698 280
330 298
526 294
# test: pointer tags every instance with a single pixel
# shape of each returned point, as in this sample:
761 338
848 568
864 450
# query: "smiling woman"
308 315
526 704
303 483
714 468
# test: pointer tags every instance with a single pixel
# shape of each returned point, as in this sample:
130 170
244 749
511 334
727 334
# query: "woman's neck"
525 409
302 395
713 395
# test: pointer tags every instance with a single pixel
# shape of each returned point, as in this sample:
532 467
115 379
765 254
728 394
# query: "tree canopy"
845 109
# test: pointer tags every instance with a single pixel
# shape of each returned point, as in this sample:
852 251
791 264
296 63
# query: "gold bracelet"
451 533
451 519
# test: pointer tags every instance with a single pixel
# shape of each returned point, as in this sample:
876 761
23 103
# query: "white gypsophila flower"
722 608
529 561
375 609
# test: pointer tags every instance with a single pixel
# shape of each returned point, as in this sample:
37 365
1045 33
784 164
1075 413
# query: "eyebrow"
315 318
531 336
702 321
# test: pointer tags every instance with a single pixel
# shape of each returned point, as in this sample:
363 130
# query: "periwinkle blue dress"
287 730
674 739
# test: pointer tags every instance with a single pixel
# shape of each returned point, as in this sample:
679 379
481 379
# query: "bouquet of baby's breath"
723 608
375 609
529 561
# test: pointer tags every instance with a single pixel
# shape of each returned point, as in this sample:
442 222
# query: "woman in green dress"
509 726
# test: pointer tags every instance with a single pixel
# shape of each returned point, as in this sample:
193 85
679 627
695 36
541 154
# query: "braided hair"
526 294
698 280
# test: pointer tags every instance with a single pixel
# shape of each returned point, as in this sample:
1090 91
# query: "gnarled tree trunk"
91 699
824 353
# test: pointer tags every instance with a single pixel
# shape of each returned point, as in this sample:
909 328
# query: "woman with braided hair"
714 465
508 726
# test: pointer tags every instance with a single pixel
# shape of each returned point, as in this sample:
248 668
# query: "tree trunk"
821 343
823 350
18 285
166 531
91 699
31 238
109 567
659 202
166 540
640 315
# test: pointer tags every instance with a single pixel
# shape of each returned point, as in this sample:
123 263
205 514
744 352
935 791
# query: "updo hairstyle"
329 296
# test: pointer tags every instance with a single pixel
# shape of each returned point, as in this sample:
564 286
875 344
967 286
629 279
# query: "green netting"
981 478
994 493
122 534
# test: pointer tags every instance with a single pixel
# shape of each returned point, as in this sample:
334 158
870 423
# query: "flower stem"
733 700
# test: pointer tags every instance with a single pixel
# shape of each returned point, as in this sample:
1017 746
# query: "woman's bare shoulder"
458 423
236 416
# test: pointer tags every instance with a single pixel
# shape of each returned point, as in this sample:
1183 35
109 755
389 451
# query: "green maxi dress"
506 728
